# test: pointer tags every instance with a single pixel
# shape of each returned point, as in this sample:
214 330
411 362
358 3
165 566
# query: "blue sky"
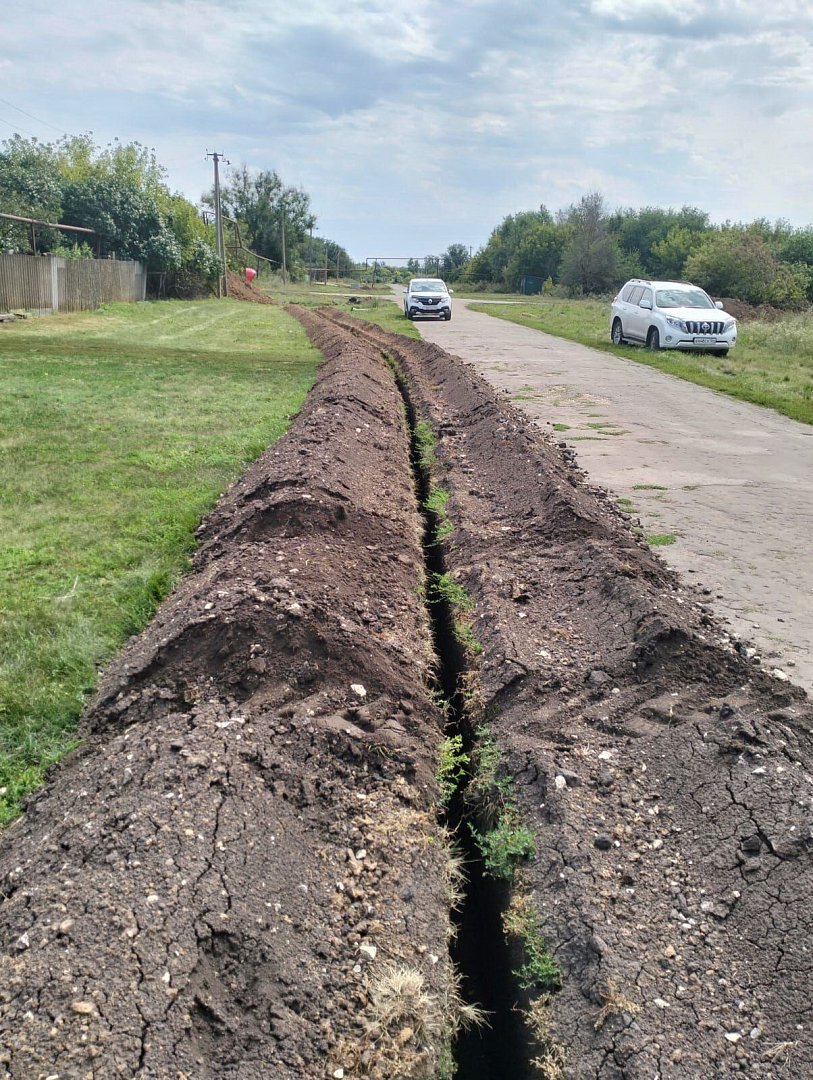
420 123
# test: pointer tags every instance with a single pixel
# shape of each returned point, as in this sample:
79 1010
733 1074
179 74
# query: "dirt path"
733 482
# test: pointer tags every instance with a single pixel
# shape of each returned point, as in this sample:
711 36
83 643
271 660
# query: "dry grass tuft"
614 1004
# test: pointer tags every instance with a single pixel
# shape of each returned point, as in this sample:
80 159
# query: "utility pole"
222 286
284 262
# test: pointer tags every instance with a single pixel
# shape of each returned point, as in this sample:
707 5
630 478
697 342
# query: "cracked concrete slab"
732 482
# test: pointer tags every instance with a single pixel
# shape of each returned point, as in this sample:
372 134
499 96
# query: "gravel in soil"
667 780
240 873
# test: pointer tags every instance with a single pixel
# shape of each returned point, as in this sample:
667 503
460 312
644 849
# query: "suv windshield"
672 298
428 286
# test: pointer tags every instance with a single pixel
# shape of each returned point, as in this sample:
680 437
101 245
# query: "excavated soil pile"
240 289
666 779
239 873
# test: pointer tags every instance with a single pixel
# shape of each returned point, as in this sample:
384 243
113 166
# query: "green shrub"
452 763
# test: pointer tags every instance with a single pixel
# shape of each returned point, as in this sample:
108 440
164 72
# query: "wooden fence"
46 283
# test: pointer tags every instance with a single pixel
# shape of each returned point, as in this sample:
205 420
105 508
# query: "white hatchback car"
671 315
427 297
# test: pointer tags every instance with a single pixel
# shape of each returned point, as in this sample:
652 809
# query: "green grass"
661 539
771 364
119 429
374 308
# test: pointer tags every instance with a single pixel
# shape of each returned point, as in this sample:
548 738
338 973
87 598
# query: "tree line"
589 250
119 190
276 221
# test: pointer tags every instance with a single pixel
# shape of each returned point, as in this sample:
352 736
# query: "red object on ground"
250 274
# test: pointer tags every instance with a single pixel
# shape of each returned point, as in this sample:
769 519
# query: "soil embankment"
240 873
666 780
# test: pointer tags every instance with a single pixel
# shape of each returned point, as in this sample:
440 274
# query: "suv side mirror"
718 304
451 293
646 304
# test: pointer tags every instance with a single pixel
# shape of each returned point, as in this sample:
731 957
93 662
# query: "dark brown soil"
667 780
240 873
240 289
745 312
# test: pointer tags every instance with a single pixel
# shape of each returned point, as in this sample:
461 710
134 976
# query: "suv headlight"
677 324
729 325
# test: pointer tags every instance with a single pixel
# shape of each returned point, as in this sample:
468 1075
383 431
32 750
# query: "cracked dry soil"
215 884
667 781
218 882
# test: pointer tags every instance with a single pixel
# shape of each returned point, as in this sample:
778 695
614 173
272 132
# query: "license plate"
705 340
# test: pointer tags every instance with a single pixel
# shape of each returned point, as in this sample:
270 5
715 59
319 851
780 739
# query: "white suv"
671 315
427 296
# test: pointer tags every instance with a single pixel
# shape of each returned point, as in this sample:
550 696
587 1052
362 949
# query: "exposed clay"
222 880
667 780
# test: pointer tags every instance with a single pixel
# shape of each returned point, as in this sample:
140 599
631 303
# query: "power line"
17 129
29 115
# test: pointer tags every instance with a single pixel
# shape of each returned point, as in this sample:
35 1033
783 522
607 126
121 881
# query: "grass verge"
771 364
120 428
373 307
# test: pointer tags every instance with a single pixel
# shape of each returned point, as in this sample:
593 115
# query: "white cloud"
475 108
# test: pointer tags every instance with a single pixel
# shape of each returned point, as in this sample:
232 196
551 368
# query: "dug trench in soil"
499 1046
666 781
240 872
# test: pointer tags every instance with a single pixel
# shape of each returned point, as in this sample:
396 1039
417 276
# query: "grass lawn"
118 431
372 307
771 364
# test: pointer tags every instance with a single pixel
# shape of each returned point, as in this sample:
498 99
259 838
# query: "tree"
453 260
590 259
264 206
29 187
120 191
538 252
670 254
640 232
738 263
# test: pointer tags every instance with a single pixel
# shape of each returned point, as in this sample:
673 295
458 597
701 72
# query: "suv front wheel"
653 339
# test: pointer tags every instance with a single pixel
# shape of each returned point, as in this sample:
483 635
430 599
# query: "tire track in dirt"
240 873
667 781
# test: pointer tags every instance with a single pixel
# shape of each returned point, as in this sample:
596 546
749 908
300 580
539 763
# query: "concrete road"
731 482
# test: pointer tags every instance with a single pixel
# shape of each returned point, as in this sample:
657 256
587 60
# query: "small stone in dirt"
733 1036
778 673
84 1008
368 950
571 779
407 893
603 842
751 845
597 677
65 926
559 783
358 690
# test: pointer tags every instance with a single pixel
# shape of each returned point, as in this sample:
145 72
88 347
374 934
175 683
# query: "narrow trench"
479 950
